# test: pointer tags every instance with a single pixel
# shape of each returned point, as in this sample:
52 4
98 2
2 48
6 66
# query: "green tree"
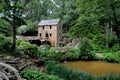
28 30
39 9
66 11
5 28
12 11
95 15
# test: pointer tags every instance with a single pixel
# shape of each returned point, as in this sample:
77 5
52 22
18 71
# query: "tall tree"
12 11
39 9
97 14
66 10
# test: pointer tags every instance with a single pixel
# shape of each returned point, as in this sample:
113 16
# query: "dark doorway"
47 36
46 43
37 42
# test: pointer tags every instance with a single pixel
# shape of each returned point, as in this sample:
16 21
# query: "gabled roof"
49 22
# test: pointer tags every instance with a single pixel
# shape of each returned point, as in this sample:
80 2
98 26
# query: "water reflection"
94 67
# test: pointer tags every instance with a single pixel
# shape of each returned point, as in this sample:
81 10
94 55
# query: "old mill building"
50 31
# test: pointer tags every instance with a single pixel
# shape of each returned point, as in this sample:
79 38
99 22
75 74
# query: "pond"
94 67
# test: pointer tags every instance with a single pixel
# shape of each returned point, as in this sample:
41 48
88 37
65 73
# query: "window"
43 27
47 35
40 34
50 34
50 27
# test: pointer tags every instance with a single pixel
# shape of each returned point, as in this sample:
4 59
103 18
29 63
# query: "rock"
8 57
75 43
100 55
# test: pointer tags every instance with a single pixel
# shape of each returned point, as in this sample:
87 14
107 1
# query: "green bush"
100 40
29 29
5 27
5 43
51 54
27 48
116 47
117 54
110 57
112 40
72 54
37 75
86 50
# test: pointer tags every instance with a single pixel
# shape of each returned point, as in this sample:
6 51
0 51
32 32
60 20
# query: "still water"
94 67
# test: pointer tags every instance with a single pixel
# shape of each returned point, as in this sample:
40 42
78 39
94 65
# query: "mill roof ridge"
49 22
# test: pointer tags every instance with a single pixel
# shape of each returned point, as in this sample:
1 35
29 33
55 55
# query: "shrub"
29 29
37 75
116 47
5 27
27 48
85 50
72 54
51 54
100 40
110 57
117 54
5 43
112 40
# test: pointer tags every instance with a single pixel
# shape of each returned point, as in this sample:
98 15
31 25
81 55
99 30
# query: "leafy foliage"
118 56
115 47
5 43
110 57
5 28
28 30
51 54
27 48
94 15
39 9
72 54
37 75
12 11
99 40
85 49
112 40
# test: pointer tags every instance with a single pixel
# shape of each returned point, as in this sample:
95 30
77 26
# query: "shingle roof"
49 22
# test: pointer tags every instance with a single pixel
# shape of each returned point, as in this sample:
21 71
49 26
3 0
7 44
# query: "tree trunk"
14 30
107 34
14 35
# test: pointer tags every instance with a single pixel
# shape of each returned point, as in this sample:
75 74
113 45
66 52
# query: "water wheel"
7 72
